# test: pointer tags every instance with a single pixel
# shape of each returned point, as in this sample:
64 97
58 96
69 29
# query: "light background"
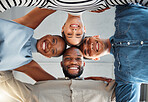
96 24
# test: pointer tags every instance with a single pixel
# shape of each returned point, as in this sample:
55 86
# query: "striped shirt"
71 6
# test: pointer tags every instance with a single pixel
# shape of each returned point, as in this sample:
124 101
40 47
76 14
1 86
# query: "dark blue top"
130 50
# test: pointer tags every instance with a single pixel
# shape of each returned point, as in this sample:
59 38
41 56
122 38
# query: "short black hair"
64 46
63 35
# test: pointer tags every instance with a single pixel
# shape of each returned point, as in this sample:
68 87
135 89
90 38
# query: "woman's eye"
78 59
69 34
78 34
67 58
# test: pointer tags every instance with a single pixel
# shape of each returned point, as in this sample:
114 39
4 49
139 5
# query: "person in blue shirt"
129 46
17 43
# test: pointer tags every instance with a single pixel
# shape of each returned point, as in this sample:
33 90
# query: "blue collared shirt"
130 50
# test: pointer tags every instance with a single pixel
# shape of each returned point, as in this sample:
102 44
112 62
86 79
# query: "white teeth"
44 45
97 46
73 68
91 45
74 25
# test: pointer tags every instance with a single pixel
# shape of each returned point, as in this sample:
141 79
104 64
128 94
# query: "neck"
107 45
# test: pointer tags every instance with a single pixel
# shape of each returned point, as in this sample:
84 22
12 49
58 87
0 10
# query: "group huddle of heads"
73 34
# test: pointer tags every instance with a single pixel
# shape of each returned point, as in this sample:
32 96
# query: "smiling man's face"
93 47
72 63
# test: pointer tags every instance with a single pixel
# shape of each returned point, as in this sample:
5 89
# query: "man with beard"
129 45
64 90
72 63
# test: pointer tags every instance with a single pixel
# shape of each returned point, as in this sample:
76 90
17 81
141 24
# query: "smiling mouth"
44 46
73 70
74 25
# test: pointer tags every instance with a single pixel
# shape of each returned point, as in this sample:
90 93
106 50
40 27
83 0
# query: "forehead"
73 52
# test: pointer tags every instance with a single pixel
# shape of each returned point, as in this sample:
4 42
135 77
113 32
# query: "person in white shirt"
72 88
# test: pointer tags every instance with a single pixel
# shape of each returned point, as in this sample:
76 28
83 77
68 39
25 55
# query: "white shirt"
57 90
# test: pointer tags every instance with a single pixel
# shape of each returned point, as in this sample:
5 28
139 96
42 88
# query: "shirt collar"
33 45
67 78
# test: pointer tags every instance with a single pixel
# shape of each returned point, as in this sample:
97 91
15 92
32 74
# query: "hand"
99 78
102 10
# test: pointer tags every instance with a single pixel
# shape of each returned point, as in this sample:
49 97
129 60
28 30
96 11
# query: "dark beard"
71 76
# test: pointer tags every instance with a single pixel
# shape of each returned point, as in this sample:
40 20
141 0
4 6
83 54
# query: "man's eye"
88 42
85 41
85 51
52 51
53 40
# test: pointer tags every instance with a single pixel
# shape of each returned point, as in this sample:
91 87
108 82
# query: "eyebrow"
67 55
79 55
56 51
56 40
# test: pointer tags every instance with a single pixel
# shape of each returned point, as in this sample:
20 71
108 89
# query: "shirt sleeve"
7 4
124 2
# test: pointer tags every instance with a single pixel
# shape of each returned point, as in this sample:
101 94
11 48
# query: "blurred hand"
99 78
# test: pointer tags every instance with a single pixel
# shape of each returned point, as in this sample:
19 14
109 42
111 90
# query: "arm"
34 17
35 71
8 4
99 78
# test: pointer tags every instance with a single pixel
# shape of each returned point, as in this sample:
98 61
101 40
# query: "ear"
84 64
84 29
61 64
63 27
97 36
96 59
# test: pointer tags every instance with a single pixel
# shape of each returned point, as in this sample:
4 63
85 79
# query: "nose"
49 46
73 61
74 29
